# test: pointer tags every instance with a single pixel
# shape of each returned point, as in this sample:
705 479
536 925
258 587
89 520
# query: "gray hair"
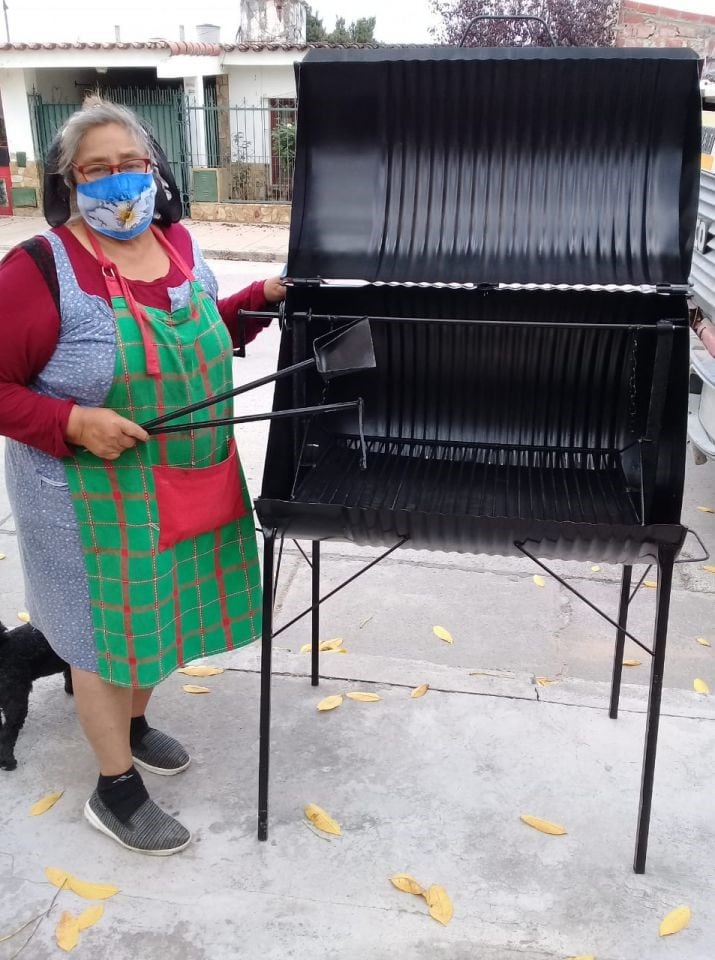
96 112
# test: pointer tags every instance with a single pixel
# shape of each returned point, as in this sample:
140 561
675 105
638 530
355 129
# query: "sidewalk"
218 241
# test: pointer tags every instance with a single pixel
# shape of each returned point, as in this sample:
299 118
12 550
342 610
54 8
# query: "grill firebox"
520 246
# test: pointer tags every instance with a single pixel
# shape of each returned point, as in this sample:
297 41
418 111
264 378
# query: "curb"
259 256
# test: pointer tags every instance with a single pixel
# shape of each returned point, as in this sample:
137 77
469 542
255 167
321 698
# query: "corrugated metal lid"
510 165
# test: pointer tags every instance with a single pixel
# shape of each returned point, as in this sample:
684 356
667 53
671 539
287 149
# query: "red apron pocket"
195 500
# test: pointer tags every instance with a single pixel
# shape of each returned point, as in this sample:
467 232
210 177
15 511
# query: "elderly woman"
138 552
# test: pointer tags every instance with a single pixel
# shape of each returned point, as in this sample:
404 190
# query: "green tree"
361 30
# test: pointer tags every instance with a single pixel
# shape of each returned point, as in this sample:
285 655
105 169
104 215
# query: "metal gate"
164 111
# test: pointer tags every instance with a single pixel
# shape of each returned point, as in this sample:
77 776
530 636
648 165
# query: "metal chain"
632 386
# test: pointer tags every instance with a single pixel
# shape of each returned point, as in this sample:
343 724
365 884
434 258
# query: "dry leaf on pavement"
545 826
90 891
419 691
675 921
408 884
703 642
709 567
330 703
363 697
440 906
539 580
322 820
632 663
67 932
651 584
443 634
23 615
201 670
45 804
545 681
700 686
90 916
193 688
706 510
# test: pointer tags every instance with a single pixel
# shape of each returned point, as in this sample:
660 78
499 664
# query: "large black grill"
517 227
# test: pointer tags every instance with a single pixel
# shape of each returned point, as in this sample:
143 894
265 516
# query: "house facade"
223 111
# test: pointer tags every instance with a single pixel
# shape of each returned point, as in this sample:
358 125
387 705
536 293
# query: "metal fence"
253 147
216 152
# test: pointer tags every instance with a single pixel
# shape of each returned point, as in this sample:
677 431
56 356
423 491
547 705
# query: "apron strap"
174 254
118 288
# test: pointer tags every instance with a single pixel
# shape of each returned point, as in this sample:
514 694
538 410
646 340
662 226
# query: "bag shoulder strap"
41 254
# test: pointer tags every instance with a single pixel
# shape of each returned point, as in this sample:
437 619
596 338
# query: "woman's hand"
103 432
273 290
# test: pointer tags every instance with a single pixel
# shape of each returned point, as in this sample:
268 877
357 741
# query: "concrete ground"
433 787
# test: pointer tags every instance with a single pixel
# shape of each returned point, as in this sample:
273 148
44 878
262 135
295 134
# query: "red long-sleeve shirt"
30 327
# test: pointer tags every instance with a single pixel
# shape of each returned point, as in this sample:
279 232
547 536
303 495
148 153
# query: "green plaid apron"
153 610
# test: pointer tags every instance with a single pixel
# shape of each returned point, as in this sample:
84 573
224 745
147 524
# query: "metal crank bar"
254 417
567 325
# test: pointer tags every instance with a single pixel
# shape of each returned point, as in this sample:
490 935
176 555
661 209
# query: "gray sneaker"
148 830
160 753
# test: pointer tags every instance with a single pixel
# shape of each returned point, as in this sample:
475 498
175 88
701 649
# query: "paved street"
432 787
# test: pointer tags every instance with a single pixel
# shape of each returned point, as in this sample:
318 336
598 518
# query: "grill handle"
539 20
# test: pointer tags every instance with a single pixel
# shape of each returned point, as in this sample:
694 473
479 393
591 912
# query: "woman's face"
108 146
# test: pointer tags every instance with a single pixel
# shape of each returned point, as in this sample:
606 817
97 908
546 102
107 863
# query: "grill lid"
488 166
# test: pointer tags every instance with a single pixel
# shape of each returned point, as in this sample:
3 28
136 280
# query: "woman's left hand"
273 290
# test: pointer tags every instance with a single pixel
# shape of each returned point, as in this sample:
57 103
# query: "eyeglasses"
96 171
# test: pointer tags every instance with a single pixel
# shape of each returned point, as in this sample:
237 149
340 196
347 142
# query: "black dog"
25 655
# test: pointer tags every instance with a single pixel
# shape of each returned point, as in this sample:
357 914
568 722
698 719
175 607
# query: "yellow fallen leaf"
583 956
439 904
539 580
700 686
43 805
89 891
706 510
325 646
651 584
709 567
67 932
330 703
545 681
193 688
2 556
330 644
24 616
545 826
201 671
322 820
443 634
419 691
632 663
703 642
90 916
595 568
676 921
363 697
408 884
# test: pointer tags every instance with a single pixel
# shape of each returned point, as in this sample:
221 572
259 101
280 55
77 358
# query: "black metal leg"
315 653
620 641
666 559
269 537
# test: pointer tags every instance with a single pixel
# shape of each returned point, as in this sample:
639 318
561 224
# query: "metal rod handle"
244 388
254 417
567 325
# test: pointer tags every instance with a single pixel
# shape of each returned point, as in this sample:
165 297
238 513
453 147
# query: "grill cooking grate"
472 480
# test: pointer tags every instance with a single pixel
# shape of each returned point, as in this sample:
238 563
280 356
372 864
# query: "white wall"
255 85
58 86
14 87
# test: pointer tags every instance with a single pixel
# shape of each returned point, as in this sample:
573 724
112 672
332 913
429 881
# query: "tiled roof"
191 48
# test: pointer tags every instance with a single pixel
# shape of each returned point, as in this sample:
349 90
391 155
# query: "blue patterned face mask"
120 206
